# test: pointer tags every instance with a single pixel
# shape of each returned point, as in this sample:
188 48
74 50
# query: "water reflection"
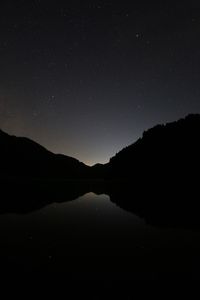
79 237
92 238
160 209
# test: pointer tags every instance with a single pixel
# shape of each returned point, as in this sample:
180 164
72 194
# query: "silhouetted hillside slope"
171 150
23 157
156 178
165 152
159 175
99 171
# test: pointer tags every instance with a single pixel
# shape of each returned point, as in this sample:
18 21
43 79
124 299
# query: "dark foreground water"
91 238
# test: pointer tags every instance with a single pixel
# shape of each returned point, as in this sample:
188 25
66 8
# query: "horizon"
99 142
86 79
96 163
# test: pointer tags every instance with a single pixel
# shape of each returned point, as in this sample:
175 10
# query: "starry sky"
86 78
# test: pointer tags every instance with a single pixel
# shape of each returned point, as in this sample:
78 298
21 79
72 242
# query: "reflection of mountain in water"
155 178
155 208
28 195
158 209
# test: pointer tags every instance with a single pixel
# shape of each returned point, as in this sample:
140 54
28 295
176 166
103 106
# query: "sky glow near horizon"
86 78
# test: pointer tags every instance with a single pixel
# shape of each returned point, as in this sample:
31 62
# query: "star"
138 35
36 114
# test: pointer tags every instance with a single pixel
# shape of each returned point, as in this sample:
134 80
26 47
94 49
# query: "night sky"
85 78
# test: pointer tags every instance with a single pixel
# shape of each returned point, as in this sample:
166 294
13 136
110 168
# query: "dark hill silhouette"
22 157
158 176
99 171
164 150
162 206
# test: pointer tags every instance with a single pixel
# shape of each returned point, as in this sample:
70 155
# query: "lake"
91 238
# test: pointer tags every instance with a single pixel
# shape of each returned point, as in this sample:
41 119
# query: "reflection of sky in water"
91 207
89 216
89 212
90 230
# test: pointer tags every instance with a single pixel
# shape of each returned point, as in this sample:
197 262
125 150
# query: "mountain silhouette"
156 178
22 157
171 149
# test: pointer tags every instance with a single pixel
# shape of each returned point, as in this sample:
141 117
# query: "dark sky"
85 78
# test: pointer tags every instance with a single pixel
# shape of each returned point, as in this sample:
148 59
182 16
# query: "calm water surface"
92 238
